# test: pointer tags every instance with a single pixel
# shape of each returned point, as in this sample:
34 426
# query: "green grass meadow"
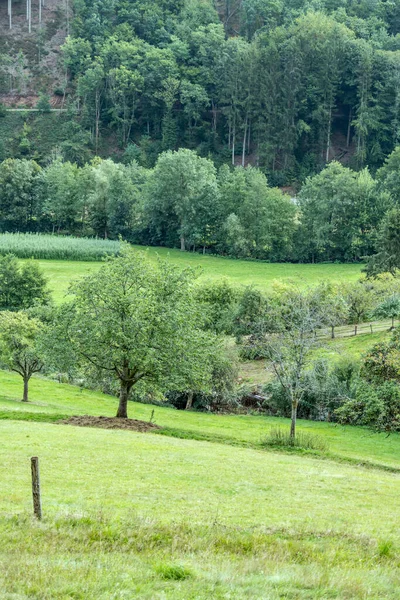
198 510
239 272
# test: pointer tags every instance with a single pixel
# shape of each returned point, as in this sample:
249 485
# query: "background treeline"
186 202
284 85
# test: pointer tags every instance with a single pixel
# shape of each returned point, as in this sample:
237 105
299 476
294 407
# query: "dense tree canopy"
287 86
297 87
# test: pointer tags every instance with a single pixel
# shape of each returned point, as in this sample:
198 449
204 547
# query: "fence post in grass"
37 503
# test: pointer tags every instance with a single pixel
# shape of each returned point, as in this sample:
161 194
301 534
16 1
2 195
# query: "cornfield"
32 245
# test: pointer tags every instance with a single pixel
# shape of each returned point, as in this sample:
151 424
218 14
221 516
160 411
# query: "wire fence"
351 330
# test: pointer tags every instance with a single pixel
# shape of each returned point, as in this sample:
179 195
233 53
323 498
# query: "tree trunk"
189 402
355 329
293 421
123 400
333 332
233 145
25 396
349 128
244 143
328 141
183 245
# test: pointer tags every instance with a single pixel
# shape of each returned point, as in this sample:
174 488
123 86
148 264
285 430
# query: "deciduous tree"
138 321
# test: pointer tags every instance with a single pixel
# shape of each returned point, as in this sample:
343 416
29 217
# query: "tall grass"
280 438
32 245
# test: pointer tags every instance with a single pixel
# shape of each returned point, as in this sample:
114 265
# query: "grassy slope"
52 398
127 514
152 517
240 272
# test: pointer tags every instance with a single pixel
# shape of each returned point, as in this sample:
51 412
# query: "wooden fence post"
37 503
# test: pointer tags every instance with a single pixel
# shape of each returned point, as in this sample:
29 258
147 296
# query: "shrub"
280 438
252 314
219 299
376 406
21 286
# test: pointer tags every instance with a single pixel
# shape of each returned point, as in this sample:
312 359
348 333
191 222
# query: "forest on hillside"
284 85
160 99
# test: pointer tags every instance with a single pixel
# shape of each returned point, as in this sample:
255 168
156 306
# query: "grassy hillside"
50 399
148 516
239 272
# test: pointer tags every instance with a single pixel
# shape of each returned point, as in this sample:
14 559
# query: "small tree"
138 320
382 362
333 306
289 352
388 309
387 258
19 349
360 301
22 285
43 105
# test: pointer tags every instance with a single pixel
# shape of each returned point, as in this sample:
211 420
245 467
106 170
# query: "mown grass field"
130 515
239 272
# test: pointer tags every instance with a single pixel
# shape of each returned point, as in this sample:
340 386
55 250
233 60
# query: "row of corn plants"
32 245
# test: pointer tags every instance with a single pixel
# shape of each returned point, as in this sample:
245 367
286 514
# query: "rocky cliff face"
30 61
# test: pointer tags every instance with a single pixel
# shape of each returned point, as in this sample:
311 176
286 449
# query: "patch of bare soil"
109 423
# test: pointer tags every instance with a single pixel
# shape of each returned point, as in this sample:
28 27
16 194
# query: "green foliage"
389 308
184 187
382 361
360 302
223 394
192 74
326 387
376 402
257 221
387 257
341 211
137 321
376 406
21 286
219 299
184 201
19 347
43 104
332 304
19 193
